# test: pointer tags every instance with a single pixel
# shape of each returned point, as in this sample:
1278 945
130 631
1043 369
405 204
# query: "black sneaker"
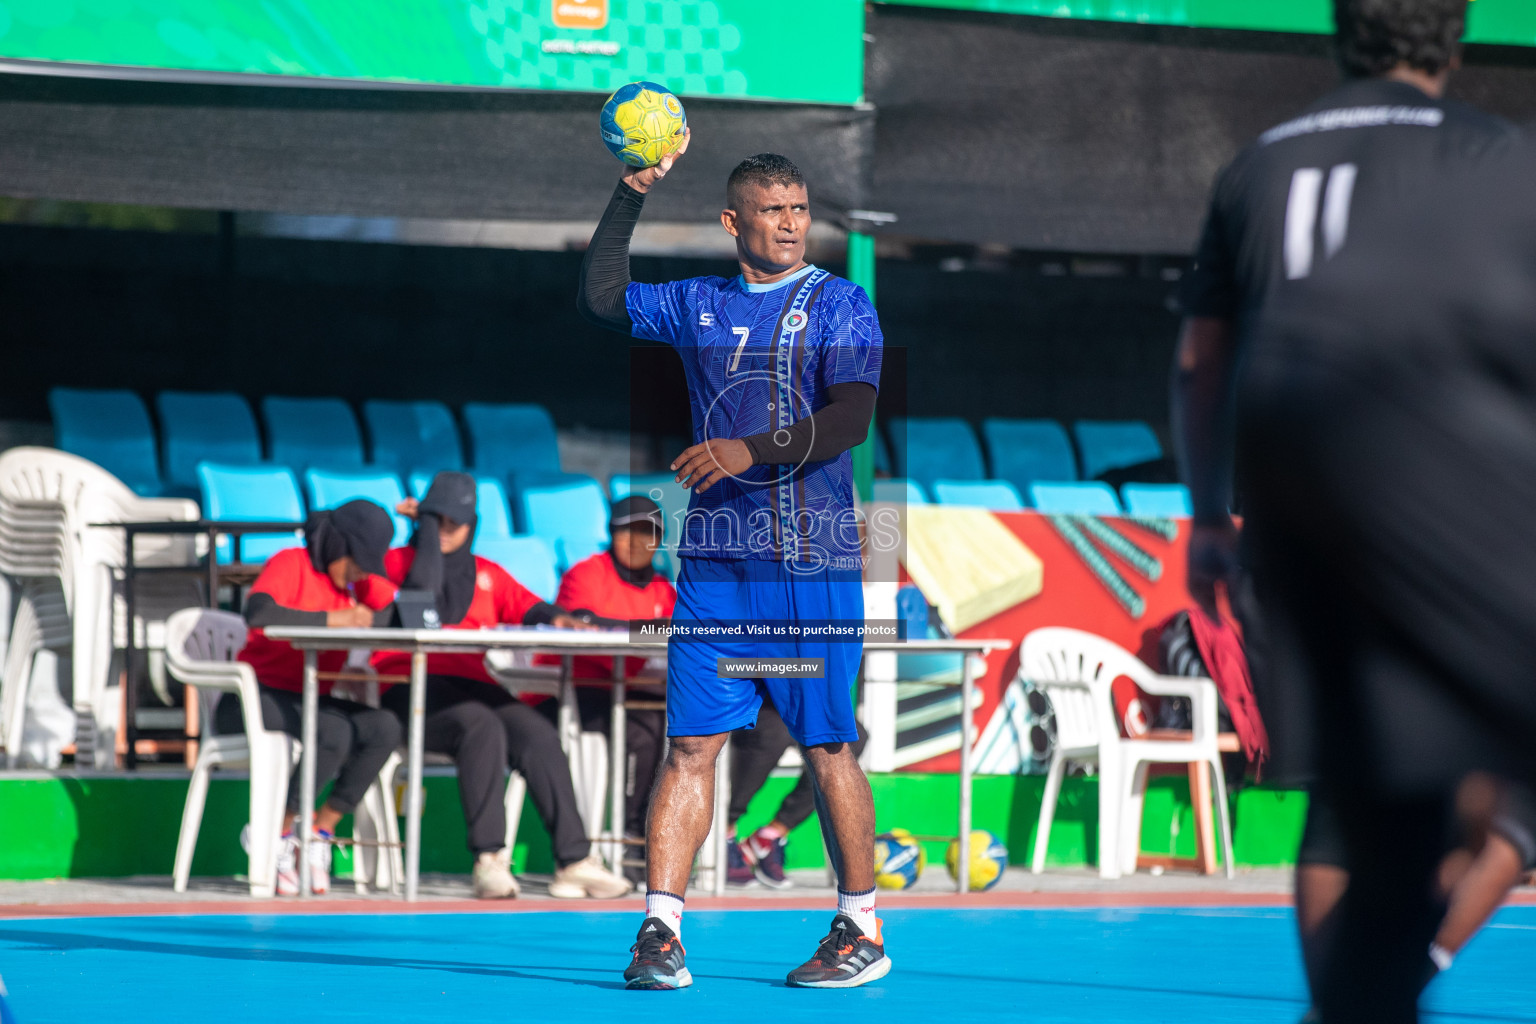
658 961
767 857
846 958
738 870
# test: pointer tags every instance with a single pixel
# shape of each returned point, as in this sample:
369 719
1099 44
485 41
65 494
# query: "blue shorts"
732 591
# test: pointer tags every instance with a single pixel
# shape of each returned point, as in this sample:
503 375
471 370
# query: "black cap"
451 496
367 530
636 508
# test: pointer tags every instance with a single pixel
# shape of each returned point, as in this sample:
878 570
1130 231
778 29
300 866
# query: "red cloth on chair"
1221 648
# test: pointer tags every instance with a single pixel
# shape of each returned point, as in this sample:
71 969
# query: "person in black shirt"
1358 167
1386 422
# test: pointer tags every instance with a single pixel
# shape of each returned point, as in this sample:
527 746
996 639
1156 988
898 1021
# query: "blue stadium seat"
1074 498
511 440
997 495
257 494
327 489
900 491
312 432
492 509
198 426
1162 501
1023 451
672 496
413 436
529 559
571 514
1113 444
110 428
927 449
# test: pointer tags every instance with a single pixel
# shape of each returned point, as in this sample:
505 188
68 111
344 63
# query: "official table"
418 643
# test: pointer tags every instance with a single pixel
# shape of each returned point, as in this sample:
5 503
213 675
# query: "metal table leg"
618 768
130 698
967 741
418 726
311 710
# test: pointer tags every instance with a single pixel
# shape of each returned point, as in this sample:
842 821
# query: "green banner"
803 50
1492 21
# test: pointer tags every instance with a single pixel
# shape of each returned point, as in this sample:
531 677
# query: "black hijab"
359 528
450 578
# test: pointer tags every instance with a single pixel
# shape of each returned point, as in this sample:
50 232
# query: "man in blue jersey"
782 363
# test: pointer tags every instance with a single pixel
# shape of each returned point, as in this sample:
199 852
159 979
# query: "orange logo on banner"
581 13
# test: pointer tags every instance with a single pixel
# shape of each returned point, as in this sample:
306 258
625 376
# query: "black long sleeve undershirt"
262 611
828 432
605 268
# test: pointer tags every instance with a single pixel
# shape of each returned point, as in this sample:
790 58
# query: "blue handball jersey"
758 359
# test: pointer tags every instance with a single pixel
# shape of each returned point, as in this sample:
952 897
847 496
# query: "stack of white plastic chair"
48 502
200 649
1076 671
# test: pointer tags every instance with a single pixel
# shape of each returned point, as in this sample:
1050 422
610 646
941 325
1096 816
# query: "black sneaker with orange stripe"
658 960
846 958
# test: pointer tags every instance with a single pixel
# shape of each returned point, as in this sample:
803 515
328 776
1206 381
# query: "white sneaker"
319 862
493 877
288 866
588 877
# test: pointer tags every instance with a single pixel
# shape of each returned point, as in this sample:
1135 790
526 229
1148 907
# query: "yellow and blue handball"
988 859
642 123
899 860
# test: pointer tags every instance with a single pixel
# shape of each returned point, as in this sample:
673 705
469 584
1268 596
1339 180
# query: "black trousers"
755 753
352 741
486 730
645 733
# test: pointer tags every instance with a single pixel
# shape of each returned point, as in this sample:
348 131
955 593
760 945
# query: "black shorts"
1322 839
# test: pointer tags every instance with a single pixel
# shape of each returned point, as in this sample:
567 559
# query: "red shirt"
291 580
498 599
595 584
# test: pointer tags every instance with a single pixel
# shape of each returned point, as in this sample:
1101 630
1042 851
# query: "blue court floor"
1043 966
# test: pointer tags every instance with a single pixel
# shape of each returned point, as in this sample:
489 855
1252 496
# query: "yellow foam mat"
967 564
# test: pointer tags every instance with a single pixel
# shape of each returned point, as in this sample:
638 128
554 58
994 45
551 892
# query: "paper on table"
968 565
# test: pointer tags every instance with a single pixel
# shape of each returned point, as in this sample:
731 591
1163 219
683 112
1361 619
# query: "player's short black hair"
764 169
1375 36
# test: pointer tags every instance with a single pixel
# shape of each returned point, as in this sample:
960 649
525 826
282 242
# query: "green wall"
115 826
694 47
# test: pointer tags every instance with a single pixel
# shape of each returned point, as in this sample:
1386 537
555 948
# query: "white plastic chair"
1077 670
41 624
48 501
201 645
587 752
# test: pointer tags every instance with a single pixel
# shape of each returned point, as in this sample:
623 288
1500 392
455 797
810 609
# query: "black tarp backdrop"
1043 133
1036 133
456 154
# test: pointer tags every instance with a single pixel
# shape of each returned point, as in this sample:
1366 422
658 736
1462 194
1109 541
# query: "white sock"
861 907
667 907
1441 956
